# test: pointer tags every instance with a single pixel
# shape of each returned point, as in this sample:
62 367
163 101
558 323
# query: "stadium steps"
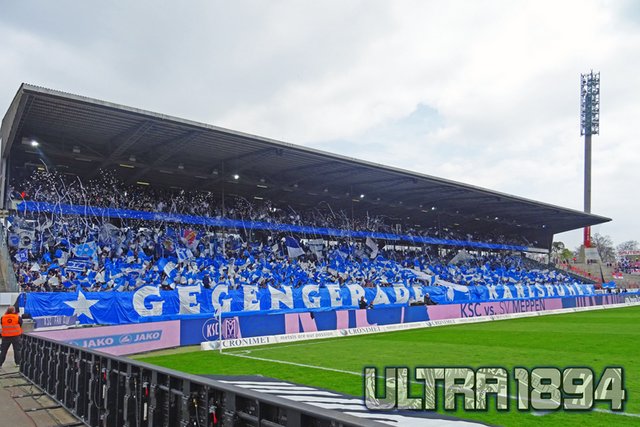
607 272
578 272
594 270
533 264
604 274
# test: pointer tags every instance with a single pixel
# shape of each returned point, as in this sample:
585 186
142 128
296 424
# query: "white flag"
373 247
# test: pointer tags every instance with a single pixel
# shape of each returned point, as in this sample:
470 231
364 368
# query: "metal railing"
105 390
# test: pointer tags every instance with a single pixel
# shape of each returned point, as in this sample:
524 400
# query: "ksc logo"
14 240
211 330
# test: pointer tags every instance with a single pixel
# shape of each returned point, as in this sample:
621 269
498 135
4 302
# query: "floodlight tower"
589 125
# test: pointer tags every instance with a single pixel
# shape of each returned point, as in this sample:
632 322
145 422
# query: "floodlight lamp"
590 103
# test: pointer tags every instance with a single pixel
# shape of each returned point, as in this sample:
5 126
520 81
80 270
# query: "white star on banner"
82 306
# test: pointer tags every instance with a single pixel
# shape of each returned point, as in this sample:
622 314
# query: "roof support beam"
125 142
170 149
312 167
391 180
423 195
243 162
337 175
389 183
238 164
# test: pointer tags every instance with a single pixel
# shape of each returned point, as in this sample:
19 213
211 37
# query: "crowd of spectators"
106 190
64 253
72 252
628 266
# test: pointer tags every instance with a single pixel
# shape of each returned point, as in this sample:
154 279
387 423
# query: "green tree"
556 250
629 245
605 248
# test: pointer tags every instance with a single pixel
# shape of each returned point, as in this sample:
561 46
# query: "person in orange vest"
11 334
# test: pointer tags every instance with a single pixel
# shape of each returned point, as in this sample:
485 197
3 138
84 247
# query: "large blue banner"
150 303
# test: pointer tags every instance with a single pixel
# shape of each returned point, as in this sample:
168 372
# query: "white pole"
220 330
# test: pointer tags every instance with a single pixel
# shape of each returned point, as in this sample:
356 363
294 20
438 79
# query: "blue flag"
22 256
293 247
85 250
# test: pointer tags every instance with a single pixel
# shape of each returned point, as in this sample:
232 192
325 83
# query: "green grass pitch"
594 339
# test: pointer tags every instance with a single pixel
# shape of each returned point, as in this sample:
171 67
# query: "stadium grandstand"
103 197
163 232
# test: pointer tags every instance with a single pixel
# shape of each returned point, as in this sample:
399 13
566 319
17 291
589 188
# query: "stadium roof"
80 135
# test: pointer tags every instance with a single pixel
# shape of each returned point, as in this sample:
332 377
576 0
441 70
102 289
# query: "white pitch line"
245 354
609 411
285 362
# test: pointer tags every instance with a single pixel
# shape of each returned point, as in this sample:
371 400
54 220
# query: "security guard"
11 334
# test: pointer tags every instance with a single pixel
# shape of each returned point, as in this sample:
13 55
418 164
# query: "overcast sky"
482 92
